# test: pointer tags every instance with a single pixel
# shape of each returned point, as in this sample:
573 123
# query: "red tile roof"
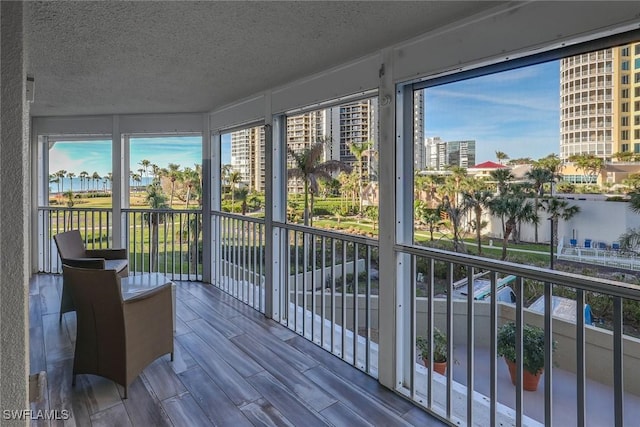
488 165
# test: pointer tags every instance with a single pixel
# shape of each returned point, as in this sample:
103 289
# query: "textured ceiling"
158 57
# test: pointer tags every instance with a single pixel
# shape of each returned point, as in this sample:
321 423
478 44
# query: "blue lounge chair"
587 243
615 246
602 245
573 242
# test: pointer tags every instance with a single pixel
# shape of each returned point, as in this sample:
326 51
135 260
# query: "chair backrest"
70 244
97 296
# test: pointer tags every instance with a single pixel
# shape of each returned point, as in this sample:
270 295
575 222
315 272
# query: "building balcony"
329 312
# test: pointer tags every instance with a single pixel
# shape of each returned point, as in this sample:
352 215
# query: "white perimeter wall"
598 220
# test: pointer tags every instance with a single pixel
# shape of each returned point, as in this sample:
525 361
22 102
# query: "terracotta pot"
439 367
529 381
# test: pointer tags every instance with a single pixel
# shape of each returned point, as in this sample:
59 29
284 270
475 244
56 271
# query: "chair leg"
73 380
126 391
61 313
172 356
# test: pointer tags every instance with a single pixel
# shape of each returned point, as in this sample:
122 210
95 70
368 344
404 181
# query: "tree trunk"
535 224
479 229
508 228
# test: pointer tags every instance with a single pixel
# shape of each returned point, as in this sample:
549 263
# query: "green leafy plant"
532 346
439 348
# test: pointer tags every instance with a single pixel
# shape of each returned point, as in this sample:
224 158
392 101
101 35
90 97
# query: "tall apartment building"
340 126
441 154
247 156
419 146
600 102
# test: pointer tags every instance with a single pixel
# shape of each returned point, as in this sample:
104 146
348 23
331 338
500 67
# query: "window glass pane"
80 173
243 171
332 165
172 166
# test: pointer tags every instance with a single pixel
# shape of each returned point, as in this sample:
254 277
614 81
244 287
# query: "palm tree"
359 150
309 168
190 179
539 176
477 201
71 175
558 209
501 177
429 217
53 178
96 178
156 199
145 167
456 214
173 174
512 208
60 174
501 156
83 176
234 178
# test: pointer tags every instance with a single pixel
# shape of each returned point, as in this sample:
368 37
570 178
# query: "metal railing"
473 390
238 264
166 241
95 226
330 292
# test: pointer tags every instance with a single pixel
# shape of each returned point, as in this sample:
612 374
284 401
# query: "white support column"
275 211
215 181
117 187
404 234
387 223
207 191
15 210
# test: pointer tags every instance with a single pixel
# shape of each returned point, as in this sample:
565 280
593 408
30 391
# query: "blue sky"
95 156
517 112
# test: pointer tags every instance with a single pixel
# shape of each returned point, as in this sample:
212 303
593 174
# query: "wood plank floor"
232 367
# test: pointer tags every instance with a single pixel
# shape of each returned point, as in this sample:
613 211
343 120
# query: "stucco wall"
14 214
598 220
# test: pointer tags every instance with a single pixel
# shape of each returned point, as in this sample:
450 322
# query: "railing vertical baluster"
470 343
314 267
343 317
618 381
254 268
580 359
333 294
355 305
180 243
430 323
286 296
296 272
135 240
100 239
261 282
49 236
305 267
165 224
413 329
323 286
493 352
367 312
236 259
548 352
519 350
449 335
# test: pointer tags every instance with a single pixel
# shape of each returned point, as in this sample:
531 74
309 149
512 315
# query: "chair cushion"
115 264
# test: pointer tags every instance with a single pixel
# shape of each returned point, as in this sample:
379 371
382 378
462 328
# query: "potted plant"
532 353
439 351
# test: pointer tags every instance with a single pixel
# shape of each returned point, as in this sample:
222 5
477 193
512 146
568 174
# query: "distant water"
67 184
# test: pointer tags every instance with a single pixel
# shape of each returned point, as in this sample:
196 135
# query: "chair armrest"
95 263
149 294
107 253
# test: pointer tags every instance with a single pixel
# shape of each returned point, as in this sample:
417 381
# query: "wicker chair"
73 253
117 338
